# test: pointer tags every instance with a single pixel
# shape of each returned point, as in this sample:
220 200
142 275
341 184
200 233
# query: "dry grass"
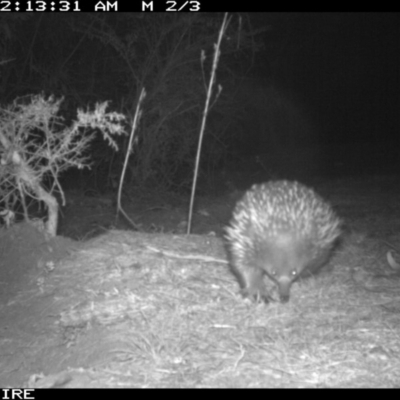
164 311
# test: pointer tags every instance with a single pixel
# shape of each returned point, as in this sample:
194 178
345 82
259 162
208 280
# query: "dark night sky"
347 64
345 68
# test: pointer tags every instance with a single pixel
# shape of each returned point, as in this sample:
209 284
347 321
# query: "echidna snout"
284 285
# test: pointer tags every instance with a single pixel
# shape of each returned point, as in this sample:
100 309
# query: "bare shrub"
36 147
163 54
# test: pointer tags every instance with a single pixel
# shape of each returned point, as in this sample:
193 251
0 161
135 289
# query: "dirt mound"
74 315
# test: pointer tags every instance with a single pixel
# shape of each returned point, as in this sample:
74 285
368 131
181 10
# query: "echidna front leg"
253 285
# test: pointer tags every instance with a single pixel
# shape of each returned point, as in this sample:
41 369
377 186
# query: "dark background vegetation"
304 95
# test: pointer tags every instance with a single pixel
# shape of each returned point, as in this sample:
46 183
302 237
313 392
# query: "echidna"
282 229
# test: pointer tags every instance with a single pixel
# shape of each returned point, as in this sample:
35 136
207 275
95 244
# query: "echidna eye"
294 273
273 272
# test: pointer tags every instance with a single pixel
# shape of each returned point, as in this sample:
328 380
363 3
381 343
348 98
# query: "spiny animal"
281 229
